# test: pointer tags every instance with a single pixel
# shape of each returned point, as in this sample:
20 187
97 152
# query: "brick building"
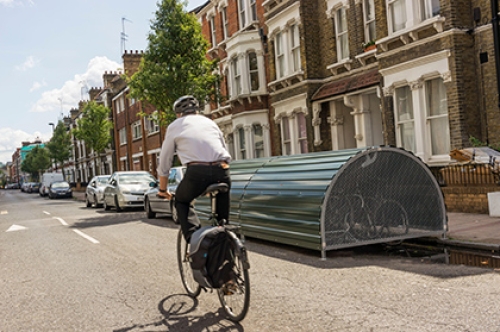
428 86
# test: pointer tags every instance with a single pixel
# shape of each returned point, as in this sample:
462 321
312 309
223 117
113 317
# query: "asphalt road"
64 267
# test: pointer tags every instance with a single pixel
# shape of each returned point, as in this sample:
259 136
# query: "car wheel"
118 208
175 217
147 206
87 202
106 206
96 204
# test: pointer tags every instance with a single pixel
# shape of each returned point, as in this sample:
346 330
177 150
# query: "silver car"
154 204
94 194
126 189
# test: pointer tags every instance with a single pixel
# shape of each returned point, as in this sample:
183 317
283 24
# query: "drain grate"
474 259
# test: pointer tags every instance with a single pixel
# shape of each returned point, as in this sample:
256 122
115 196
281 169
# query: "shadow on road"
178 315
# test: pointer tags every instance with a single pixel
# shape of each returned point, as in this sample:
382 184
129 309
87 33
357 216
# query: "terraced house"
313 75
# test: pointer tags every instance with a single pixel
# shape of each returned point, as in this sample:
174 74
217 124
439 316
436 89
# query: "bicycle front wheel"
192 287
236 301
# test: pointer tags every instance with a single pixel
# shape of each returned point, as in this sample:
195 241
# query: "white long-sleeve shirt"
193 137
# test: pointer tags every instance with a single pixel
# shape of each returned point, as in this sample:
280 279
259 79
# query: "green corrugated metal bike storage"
335 199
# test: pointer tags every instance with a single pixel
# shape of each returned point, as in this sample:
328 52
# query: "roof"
349 84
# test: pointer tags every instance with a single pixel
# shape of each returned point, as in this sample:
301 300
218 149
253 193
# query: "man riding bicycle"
200 146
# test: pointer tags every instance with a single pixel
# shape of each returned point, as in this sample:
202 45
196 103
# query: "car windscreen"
60 185
135 178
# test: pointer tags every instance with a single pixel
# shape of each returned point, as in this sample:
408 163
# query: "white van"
47 179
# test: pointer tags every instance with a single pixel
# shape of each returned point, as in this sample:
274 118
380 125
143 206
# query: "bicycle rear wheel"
192 287
236 303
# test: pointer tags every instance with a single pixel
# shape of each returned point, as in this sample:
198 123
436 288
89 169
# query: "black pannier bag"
211 257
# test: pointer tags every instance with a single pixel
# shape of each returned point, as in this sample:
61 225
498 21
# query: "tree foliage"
60 146
175 62
94 128
36 162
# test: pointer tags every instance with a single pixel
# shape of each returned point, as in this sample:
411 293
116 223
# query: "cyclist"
200 146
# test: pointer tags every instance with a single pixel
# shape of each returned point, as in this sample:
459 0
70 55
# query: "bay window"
405 120
436 106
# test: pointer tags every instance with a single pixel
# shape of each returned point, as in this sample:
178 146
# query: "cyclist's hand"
166 195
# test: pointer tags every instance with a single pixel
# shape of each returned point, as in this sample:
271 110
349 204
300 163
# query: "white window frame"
253 71
213 32
236 74
136 130
258 144
242 150
429 9
303 148
122 133
295 47
151 124
369 22
342 36
286 140
280 55
242 13
225 22
431 119
410 13
401 123
247 13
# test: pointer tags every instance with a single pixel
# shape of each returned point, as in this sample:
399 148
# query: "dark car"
33 187
154 204
60 189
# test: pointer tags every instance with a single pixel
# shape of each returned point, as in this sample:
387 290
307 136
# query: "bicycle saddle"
216 188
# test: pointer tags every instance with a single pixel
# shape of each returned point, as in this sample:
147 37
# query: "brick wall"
468 199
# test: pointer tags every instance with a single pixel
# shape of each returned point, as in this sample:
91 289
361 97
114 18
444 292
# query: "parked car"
126 189
60 189
25 186
33 187
47 179
154 204
94 194
13 185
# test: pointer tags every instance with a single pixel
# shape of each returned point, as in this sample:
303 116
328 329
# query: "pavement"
464 229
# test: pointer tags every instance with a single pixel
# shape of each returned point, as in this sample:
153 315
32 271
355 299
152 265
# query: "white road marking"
4 212
16 228
82 234
46 212
61 221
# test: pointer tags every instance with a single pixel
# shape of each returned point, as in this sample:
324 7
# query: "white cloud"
29 63
12 3
11 139
38 85
73 91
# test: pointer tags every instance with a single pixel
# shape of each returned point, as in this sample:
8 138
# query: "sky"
53 51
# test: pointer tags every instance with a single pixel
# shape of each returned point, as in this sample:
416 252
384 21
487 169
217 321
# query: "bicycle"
360 217
235 304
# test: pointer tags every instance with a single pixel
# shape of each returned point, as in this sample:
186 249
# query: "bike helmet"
186 104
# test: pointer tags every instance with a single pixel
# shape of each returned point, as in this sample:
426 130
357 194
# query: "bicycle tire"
190 285
236 305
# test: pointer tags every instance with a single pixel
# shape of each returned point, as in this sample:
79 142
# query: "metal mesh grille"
382 195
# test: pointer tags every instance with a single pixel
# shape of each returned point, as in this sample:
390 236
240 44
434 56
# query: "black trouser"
193 184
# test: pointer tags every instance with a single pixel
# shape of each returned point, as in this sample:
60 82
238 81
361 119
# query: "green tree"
60 145
94 128
174 63
36 161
